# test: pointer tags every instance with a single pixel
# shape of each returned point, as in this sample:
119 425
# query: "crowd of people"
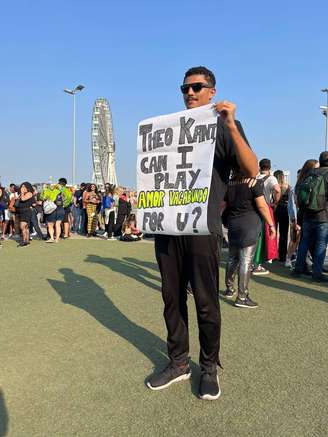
266 219
57 211
293 229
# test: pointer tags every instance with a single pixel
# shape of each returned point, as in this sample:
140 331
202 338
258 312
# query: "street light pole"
74 141
325 112
73 92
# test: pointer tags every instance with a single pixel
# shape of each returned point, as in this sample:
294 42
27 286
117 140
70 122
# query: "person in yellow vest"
53 211
67 202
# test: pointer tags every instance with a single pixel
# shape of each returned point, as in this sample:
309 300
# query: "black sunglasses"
196 87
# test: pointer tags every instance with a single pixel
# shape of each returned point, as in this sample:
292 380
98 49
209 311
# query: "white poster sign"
174 171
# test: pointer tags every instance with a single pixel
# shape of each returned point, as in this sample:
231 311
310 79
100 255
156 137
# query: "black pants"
110 224
194 259
119 223
282 221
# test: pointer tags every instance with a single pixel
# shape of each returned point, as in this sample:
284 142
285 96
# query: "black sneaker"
245 303
168 376
209 386
23 244
299 273
296 273
319 278
228 293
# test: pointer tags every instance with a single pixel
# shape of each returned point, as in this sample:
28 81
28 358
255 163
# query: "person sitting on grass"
135 230
129 230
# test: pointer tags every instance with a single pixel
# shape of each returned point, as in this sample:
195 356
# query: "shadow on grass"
84 293
138 262
285 285
129 267
230 302
3 416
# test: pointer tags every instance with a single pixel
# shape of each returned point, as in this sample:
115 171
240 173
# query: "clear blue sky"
270 58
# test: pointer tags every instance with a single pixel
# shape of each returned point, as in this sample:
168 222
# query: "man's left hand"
227 112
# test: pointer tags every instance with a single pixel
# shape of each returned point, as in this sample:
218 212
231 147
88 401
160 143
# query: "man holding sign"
184 163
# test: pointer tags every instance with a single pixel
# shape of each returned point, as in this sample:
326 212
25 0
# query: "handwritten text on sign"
174 171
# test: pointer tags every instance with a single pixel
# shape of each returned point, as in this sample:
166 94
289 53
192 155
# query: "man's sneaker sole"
228 296
209 397
183 377
242 305
260 273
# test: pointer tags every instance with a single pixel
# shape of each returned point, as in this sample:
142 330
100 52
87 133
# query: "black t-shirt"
240 198
225 160
124 207
243 218
4 200
78 195
25 205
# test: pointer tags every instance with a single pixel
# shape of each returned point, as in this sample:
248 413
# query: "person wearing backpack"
312 199
67 196
53 218
296 218
266 249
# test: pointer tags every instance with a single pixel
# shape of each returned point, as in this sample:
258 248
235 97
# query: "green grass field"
81 327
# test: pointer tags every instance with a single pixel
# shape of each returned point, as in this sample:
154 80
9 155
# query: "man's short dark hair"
209 76
278 173
14 186
323 159
265 164
62 181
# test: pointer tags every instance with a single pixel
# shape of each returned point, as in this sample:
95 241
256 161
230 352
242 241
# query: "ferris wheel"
102 144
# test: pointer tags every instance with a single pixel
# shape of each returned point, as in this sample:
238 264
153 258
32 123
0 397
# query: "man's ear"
212 93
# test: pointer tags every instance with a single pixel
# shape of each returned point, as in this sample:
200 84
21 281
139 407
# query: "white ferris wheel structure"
103 144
